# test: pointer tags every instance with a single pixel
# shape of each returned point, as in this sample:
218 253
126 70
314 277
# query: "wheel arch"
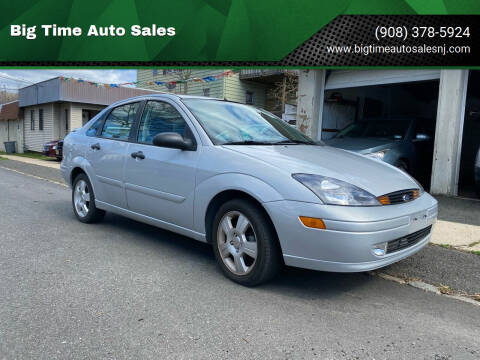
80 165
225 196
218 186
77 170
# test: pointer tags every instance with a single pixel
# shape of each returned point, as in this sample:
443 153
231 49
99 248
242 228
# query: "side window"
92 131
32 120
249 99
40 119
66 119
120 121
159 117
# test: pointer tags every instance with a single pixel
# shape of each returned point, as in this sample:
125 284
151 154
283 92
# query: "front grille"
399 197
408 240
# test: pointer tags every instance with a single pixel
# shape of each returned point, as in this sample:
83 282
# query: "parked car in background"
404 143
59 150
243 180
477 173
53 149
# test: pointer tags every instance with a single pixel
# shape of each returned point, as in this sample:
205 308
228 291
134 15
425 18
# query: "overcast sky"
32 76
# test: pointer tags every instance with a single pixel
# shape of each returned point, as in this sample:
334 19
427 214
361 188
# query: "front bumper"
351 233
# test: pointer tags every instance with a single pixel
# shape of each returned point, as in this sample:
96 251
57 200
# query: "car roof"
162 96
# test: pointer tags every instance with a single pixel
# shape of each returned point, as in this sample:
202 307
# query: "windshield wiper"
294 142
247 142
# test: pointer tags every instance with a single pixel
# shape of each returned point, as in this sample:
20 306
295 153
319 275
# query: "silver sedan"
239 178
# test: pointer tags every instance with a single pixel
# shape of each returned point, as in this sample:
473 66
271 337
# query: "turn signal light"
415 194
312 222
384 200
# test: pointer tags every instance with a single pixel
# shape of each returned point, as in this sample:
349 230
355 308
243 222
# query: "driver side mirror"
174 140
421 136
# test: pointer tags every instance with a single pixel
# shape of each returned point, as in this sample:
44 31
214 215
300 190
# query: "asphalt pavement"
458 270
125 290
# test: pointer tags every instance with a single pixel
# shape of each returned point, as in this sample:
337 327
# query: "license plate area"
418 220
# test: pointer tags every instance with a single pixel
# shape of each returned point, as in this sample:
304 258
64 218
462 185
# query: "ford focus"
260 192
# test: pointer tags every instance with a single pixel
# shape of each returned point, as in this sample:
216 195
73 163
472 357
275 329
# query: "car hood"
361 145
372 175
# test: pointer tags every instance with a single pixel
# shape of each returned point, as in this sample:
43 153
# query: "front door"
107 153
161 182
63 124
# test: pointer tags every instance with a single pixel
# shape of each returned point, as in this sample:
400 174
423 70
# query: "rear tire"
83 201
245 243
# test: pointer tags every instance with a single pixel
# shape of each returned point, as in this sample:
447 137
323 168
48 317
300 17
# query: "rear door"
161 183
107 153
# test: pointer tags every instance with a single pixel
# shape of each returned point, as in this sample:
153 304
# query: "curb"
34 176
31 161
425 287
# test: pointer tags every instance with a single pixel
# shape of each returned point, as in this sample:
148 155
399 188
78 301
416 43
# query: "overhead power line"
8 77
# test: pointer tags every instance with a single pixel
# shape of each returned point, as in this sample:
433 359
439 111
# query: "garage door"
339 79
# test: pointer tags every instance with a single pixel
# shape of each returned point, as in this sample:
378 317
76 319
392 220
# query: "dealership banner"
240 33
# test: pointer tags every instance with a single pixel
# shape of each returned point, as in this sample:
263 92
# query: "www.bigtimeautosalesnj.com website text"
398 49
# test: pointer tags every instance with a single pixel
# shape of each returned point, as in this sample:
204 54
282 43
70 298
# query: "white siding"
75 112
11 130
236 89
229 88
193 88
35 139
53 122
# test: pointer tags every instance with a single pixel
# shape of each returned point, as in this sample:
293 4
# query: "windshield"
390 129
231 123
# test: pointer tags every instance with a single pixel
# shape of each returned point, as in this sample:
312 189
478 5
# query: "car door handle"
95 146
138 154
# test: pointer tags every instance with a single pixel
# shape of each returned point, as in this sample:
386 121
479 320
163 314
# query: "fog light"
380 249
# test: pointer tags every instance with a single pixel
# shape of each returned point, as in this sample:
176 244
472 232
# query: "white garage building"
328 100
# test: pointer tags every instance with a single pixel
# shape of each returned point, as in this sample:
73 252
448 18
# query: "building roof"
9 111
56 89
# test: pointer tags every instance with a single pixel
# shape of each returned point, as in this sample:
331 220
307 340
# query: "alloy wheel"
237 243
81 198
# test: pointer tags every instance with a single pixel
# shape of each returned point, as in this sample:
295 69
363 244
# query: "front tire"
245 243
83 201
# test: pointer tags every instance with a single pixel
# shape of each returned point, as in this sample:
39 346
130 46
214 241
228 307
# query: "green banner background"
207 30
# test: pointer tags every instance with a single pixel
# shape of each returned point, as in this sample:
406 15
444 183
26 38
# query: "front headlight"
378 154
336 192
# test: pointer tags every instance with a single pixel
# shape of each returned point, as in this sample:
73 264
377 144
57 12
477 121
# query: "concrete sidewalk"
458 222
51 164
